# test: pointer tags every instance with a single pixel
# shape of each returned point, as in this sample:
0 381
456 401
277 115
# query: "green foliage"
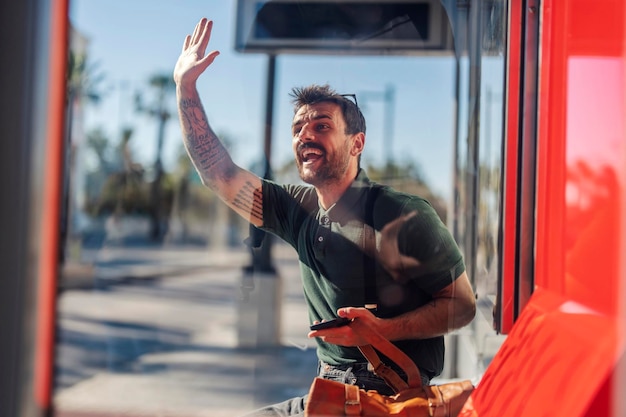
130 193
83 79
406 177
117 184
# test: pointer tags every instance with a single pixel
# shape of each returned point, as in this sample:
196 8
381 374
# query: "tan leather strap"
353 401
437 405
388 349
389 375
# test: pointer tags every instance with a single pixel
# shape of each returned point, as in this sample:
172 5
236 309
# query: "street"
153 332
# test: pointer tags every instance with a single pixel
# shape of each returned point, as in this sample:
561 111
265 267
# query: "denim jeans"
354 374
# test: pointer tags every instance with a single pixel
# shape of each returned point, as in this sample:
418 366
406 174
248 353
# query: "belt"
357 366
366 366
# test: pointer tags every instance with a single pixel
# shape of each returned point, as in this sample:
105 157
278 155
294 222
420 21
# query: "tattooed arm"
240 189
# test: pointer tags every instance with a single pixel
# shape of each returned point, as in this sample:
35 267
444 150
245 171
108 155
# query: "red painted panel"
595 28
582 148
549 365
595 160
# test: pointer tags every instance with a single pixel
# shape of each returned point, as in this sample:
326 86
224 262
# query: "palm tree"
164 86
82 85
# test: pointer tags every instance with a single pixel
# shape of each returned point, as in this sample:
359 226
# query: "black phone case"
338 322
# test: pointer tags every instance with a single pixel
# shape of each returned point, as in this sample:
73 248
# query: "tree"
163 86
83 81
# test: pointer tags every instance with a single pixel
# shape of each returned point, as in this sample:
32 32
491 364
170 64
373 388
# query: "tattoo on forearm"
209 157
202 144
250 200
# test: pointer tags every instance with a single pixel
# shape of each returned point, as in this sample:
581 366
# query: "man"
347 231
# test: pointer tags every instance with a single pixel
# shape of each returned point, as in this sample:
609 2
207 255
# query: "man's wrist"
186 87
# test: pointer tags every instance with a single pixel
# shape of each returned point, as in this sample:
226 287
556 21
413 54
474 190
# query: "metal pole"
269 114
259 310
262 256
473 135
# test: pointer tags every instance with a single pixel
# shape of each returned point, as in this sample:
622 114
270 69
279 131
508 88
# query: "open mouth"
311 154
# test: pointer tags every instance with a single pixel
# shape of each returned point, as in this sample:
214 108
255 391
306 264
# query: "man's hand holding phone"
337 331
330 324
333 331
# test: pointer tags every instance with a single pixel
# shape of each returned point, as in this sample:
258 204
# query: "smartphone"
330 324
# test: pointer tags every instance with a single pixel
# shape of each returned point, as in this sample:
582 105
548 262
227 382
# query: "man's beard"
329 171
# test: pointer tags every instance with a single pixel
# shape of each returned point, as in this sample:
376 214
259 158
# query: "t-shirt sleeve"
427 239
284 208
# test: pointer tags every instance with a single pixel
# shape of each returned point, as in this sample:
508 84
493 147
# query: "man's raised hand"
192 61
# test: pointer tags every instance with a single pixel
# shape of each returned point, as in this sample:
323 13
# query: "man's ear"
358 143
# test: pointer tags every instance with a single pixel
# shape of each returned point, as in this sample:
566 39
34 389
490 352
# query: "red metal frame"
49 245
564 355
551 153
510 183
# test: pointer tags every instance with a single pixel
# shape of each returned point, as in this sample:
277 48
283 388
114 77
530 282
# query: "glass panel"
152 316
479 169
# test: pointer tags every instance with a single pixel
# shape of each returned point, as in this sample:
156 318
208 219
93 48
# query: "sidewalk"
153 332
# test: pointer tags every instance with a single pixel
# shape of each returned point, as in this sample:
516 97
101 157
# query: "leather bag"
332 399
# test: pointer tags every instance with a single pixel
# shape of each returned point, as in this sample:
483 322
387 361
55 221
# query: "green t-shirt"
333 265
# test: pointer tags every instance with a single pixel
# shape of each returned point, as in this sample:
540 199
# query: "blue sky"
133 40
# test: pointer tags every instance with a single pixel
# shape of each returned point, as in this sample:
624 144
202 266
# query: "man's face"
321 147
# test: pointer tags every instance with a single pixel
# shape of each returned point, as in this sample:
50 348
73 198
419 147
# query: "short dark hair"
312 94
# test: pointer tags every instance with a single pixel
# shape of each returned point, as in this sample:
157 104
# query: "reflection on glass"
480 141
150 312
